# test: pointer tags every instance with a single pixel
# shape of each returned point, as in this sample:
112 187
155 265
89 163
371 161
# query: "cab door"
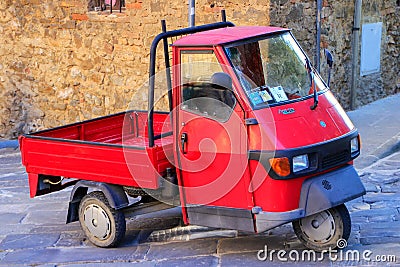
212 145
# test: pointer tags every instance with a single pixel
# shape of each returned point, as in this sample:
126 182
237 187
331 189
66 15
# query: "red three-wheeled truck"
252 139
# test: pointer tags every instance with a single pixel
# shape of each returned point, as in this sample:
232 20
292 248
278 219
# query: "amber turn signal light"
281 166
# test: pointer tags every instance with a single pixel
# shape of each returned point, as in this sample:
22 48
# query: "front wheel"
323 230
104 226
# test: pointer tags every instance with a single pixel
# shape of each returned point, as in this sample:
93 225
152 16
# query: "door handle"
183 142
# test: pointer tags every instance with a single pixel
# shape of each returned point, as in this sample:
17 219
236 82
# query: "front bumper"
322 156
317 194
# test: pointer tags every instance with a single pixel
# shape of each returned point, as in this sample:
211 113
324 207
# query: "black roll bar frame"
152 69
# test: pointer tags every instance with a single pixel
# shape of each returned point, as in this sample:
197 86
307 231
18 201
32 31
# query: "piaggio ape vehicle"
253 141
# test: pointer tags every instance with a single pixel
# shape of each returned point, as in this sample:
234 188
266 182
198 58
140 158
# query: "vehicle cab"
260 140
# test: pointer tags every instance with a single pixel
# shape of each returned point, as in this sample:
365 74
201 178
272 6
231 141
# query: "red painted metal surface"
111 149
274 195
225 35
302 127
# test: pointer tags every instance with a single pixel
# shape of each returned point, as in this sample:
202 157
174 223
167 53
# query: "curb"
388 148
9 144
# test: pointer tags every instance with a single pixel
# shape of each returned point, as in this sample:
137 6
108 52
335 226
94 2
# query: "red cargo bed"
112 149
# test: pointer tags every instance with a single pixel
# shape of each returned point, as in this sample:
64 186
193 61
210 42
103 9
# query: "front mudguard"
318 193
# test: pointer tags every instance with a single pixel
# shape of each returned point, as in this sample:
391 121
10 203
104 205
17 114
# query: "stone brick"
77 16
71 4
137 5
70 24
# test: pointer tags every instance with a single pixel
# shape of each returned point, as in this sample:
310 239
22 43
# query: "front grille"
333 160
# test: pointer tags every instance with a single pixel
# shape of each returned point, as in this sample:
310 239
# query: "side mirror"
329 58
221 80
329 61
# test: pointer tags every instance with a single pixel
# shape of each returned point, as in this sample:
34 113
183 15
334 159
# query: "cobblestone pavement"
33 231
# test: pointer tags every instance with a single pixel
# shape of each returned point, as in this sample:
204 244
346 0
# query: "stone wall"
387 81
60 63
336 35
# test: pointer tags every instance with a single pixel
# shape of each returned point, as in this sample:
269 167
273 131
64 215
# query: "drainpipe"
355 52
192 12
318 41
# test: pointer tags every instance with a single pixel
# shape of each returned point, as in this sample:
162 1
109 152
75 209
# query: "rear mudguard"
317 194
115 195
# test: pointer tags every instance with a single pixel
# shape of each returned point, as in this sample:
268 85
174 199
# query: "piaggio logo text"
286 111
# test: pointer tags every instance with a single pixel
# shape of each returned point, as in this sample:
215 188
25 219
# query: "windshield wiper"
312 81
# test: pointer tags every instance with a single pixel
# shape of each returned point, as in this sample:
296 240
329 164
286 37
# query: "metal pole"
223 15
355 52
192 12
167 65
318 39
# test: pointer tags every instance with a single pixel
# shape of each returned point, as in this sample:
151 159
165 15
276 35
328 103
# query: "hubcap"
319 227
97 221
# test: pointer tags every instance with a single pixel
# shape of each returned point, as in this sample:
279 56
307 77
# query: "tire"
323 230
104 226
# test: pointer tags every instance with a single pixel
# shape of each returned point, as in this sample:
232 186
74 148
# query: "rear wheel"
323 230
104 226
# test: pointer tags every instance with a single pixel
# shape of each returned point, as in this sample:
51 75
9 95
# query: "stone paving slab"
61 206
13 184
378 212
203 261
250 259
373 240
28 241
16 229
11 159
109 264
77 255
50 217
11 218
8 170
51 228
374 250
250 243
182 249
377 226
71 239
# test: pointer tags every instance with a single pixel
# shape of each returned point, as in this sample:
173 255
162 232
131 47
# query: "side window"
198 66
199 94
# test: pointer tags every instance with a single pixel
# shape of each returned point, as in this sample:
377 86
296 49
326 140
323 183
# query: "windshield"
272 70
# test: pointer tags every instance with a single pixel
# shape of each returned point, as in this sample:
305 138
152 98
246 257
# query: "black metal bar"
223 15
137 123
159 136
167 65
152 67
